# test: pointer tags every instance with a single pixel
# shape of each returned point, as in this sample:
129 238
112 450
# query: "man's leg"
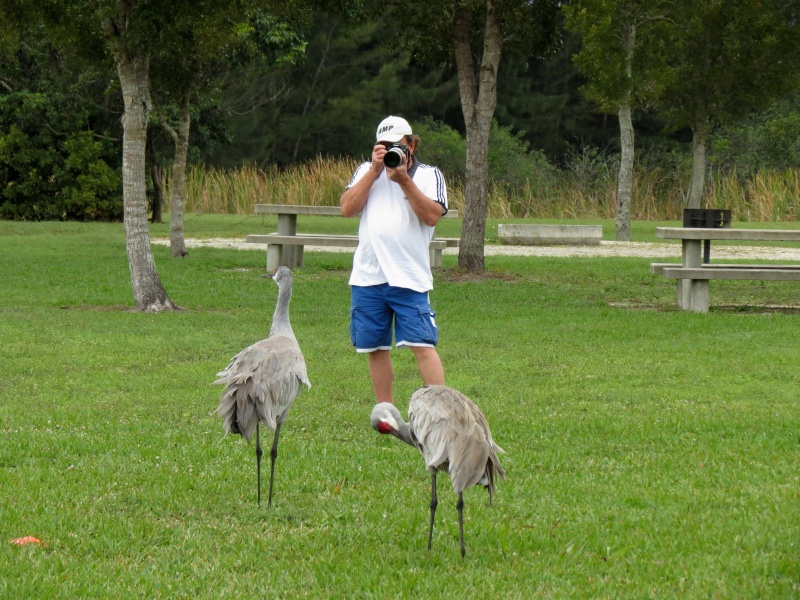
429 364
415 327
371 334
381 373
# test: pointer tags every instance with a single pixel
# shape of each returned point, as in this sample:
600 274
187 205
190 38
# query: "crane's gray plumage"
453 435
263 380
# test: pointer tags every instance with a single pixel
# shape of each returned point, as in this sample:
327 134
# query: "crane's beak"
267 275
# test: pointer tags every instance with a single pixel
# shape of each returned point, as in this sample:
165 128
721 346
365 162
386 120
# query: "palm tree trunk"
148 292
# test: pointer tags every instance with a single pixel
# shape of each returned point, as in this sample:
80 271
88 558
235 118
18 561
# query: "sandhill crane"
452 435
264 379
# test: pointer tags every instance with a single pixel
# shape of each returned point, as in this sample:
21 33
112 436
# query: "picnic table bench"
286 246
693 274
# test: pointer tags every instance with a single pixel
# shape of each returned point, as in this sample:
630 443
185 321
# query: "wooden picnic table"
290 256
693 273
286 246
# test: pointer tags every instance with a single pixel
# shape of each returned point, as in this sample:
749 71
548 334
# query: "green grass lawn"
651 452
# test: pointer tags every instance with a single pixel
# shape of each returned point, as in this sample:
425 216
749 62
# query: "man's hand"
378 152
354 198
398 174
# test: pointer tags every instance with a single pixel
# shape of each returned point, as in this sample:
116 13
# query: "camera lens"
393 158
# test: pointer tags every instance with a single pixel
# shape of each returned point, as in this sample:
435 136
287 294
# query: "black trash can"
712 218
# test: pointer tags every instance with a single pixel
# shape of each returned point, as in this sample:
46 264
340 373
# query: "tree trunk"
626 135
148 293
157 203
178 184
625 177
699 142
478 103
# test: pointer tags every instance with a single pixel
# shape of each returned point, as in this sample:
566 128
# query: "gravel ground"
605 249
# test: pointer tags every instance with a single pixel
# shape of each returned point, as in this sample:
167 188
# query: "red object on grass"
28 539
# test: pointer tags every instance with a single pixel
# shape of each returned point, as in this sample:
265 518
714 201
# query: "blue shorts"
375 307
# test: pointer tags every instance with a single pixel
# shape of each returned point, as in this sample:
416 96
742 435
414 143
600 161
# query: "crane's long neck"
280 318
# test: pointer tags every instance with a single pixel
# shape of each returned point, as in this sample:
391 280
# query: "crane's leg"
273 455
434 503
460 507
258 462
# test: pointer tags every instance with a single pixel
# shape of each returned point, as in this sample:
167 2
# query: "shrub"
442 146
91 188
512 163
767 140
46 175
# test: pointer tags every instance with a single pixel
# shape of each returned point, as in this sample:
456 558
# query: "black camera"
394 154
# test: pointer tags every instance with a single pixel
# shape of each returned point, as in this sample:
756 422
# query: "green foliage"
769 139
46 174
442 146
59 153
624 51
540 96
276 40
530 28
353 76
731 58
512 163
91 188
356 70
209 132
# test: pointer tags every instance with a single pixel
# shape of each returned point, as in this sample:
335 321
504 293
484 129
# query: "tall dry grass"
658 193
766 196
235 191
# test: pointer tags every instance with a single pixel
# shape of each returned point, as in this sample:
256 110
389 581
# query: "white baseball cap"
392 129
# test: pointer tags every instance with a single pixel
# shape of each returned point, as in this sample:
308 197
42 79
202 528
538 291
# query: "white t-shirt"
392 241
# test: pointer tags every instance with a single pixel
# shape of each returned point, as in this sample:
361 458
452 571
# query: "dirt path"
605 249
